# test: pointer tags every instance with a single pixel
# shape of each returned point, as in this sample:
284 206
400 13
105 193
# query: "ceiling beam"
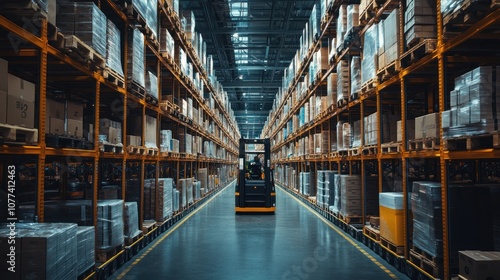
250 31
246 113
255 67
243 84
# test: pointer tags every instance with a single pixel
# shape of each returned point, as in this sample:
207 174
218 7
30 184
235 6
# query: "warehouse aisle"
214 243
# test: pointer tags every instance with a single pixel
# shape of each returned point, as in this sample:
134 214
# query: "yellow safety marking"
168 234
255 209
346 237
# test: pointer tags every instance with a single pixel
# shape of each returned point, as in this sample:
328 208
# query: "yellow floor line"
346 237
168 233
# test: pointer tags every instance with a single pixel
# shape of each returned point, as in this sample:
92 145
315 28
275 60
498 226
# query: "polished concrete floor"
214 243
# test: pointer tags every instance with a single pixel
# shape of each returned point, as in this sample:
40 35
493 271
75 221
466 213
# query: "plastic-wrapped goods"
151 132
304 182
135 58
197 190
390 28
152 16
152 85
355 76
369 64
141 6
131 220
164 209
166 140
420 21
352 17
175 200
343 80
113 49
167 43
341 25
109 223
450 6
340 136
149 199
356 134
182 188
350 195
427 220
346 135
189 191
69 211
45 250
315 21
85 249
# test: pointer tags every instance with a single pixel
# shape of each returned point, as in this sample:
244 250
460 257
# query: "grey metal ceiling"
250 64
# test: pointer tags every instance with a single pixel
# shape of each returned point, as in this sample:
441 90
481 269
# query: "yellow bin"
391 217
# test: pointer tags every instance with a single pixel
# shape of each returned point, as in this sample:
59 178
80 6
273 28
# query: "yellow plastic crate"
391 225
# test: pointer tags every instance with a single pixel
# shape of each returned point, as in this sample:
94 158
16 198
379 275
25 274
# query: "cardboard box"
3 106
21 88
478 265
75 111
20 112
151 131
446 119
430 127
55 126
4 76
75 128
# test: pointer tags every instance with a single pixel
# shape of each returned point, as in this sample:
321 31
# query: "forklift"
255 191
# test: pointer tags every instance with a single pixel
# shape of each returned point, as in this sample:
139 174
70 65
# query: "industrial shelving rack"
426 81
28 44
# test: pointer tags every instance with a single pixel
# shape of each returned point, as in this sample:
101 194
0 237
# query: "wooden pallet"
369 86
473 142
372 232
131 240
389 148
167 56
133 15
369 12
354 152
111 148
418 51
389 71
423 144
148 226
151 151
82 52
470 12
61 141
375 221
111 76
102 255
153 100
27 9
342 153
432 265
136 150
370 150
351 219
398 250
18 135
342 102
136 89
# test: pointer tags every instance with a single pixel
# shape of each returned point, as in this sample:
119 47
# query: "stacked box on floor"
167 42
420 21
85 250
189 191
131 220
149 199
109 228
392 217
77 211
152 84
175 200
86 21
343 80
389 48
350 195
427 221
198 191
369 64
182 188
202 176
53 244
304 183
113 48
135 58
356 134
320 189
473 103
164 209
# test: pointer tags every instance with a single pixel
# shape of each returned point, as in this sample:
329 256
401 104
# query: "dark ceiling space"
252 41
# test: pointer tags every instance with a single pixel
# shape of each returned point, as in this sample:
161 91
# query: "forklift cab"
255 190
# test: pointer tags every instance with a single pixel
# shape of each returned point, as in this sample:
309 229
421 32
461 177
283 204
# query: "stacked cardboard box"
76 211
43 251
343 80
410 130
110 131
189 191
341 25
355 76
479 265
350 195
370 129
149 199
427 221
164 209
175 200
427 126
167 43
356 134
325 186
131 220
86 21
113 48
473 103
369 64
389 40
420 21
55 116
152 16
109 230
352 17
19 98
135 58
182 188
85 249
152 85
151 131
